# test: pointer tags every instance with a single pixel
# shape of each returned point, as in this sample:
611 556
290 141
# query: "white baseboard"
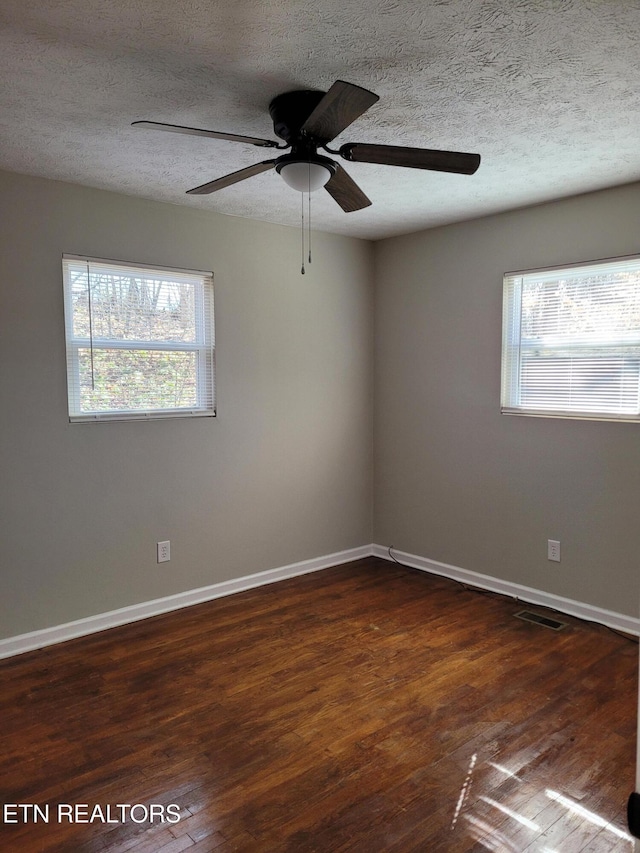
91 624
619 621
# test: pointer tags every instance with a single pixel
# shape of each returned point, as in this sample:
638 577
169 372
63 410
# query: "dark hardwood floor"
363 708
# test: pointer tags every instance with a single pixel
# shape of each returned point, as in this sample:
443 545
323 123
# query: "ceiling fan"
308 120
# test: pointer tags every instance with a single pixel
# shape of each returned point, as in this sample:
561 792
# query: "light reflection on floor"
593 818
489 836
464 790
497 838
507 811
504 770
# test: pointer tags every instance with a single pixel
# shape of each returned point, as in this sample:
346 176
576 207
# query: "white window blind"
140 340
571 341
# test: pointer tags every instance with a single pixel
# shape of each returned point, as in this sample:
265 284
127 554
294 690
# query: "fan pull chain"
302 232
309 211
309 220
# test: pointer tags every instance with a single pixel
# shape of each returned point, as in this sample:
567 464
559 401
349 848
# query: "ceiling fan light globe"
304 176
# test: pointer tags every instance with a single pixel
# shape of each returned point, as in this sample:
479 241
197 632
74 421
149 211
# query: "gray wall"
456 481
283 474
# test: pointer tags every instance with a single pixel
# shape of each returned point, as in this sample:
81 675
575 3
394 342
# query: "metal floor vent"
528 616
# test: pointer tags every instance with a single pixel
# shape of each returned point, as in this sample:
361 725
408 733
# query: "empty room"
319 449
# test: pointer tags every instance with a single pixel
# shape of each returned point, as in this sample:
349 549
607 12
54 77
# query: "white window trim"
512 344
203 347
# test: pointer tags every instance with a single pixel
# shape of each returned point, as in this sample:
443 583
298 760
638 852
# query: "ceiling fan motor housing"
290 111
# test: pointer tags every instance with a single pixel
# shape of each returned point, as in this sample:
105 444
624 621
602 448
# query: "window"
571 341
139 340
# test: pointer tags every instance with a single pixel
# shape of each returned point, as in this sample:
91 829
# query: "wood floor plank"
368 707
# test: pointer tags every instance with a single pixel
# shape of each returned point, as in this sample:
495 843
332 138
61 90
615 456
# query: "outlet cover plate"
553 550
164 551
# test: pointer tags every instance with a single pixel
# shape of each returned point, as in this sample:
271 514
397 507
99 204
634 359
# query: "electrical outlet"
553 550
164 551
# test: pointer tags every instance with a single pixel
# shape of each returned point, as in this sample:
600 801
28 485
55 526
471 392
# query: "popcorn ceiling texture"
545 90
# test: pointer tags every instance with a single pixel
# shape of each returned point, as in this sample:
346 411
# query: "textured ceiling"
545 90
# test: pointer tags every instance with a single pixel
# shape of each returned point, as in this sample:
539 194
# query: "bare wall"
283 474
456 481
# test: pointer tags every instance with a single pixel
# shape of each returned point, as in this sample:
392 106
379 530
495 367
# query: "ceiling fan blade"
414 158
233 178
342 104
213 134
345 191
